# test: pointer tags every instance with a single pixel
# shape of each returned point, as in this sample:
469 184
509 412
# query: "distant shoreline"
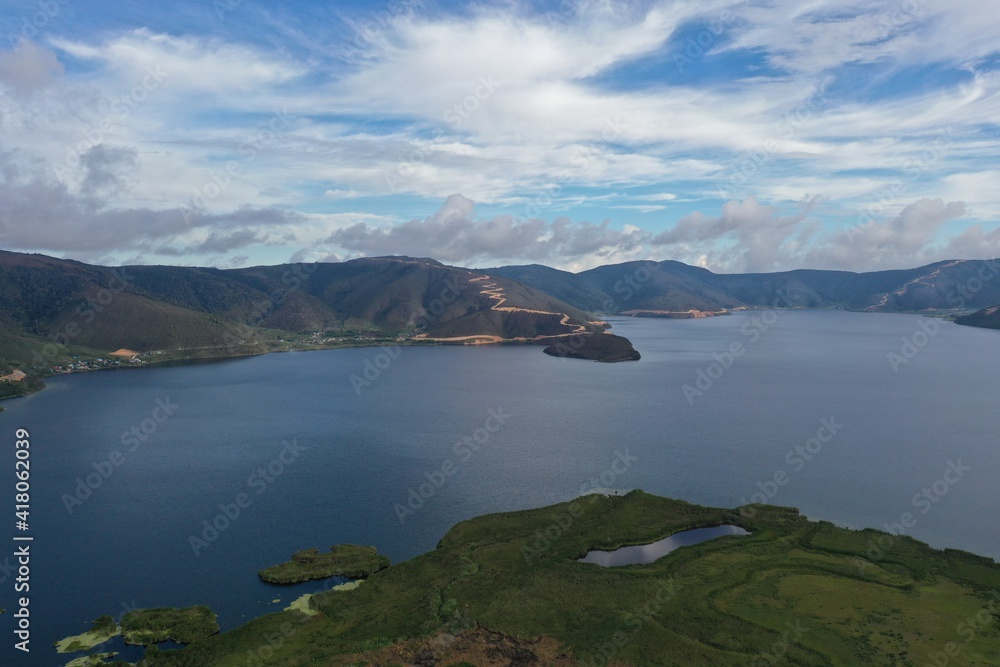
409 342
191 361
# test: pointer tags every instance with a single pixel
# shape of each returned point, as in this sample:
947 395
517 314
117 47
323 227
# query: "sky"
757 136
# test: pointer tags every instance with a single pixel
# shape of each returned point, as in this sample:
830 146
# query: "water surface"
367 467
643 554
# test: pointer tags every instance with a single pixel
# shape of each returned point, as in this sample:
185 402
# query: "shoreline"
184 361
774 531
191 361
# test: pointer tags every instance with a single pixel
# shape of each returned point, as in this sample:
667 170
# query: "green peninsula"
103 629
184 626
507 589
344 560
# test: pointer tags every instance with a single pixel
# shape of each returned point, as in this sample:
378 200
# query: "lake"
643 554
801 408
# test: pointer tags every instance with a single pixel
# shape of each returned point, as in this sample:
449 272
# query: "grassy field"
150 626
506 589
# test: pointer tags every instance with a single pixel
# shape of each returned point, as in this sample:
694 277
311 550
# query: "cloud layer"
737 136
746 237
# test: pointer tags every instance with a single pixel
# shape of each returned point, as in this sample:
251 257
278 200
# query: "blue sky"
740 136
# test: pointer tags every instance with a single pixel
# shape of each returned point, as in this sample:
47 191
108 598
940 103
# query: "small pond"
647 553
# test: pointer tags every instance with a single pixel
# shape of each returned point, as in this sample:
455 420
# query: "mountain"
54 312
672 288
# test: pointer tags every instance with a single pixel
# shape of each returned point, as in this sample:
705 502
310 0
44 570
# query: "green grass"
345 560
103 629
184 626
793 592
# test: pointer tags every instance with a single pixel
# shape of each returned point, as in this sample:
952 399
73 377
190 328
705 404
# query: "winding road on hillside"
492 290
921 280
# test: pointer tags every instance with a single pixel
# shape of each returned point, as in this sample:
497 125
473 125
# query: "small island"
103 629
605 347
344 560
508 585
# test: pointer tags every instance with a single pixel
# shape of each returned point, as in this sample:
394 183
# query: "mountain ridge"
55 312
63 315
671 286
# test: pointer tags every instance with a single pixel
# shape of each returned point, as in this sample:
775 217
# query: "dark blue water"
643 554
567 425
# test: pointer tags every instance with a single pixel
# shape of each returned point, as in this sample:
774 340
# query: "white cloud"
191 63
39 212
339 193
554 112
641 208
746 236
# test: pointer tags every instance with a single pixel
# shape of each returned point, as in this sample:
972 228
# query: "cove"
128 544
644 554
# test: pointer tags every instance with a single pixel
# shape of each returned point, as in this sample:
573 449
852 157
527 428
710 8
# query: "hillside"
988 318
507 589
66 315
670 286
53 312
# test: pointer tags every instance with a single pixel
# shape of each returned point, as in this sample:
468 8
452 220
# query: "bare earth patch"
16 376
